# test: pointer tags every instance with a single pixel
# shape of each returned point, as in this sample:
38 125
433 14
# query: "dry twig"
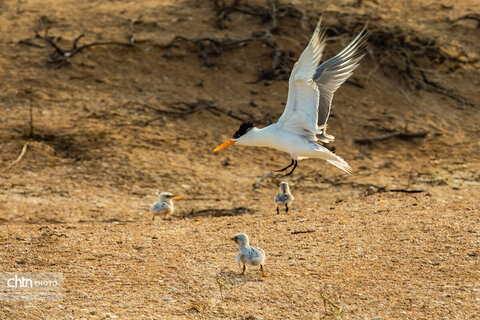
60 56
302 231
210 47
257 184
24 149
470 16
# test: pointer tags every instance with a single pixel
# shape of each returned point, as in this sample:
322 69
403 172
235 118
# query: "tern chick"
284 197
164 205
248 255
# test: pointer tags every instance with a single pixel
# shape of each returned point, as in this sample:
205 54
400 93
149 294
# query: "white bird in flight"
284 197
311 86
248 255
164 206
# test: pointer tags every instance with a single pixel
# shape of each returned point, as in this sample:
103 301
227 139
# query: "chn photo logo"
31 285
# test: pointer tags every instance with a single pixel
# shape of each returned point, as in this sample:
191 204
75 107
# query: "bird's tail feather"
342 165
334 159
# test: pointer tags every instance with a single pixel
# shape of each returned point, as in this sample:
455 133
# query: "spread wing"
311 87
300 114
331 74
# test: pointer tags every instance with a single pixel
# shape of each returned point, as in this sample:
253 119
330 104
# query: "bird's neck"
259 137
243 246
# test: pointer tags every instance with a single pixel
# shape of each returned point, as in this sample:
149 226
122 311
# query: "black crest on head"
244 128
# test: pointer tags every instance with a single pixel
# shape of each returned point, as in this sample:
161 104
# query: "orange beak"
223 145
178 198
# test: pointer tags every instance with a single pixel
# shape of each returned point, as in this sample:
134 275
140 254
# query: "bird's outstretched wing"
331 74
311 87
300 113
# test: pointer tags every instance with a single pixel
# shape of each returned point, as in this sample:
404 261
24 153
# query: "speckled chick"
284 197
248 255
164 206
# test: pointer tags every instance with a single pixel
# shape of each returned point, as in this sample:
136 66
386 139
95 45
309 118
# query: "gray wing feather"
331 74
281 197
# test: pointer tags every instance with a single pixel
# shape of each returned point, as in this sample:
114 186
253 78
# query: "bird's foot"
283 169
294 167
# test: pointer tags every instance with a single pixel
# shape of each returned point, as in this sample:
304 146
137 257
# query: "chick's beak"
178 198
223 145
234 239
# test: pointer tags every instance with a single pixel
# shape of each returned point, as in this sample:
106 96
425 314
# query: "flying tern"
303 125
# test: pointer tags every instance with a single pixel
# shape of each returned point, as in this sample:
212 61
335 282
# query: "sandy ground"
397 240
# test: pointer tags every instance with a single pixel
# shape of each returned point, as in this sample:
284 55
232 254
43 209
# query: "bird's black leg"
283 169
278 211
290 173
286 207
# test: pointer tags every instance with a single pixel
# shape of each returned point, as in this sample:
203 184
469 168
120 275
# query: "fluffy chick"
284 197
248 255
164 205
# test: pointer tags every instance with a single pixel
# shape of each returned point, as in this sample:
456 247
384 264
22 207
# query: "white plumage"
284 197
164 206
248 255
303 124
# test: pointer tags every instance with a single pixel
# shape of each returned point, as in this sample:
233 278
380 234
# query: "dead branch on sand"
60 56
304 231
370 188
207 47
406 50
24 149
469 16
402 135
407 191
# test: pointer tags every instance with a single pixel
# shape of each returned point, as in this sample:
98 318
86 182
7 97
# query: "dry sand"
77 201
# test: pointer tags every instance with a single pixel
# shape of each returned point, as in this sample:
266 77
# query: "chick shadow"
236 279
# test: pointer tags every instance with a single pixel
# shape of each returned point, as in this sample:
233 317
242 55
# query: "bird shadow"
235 279
236 211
